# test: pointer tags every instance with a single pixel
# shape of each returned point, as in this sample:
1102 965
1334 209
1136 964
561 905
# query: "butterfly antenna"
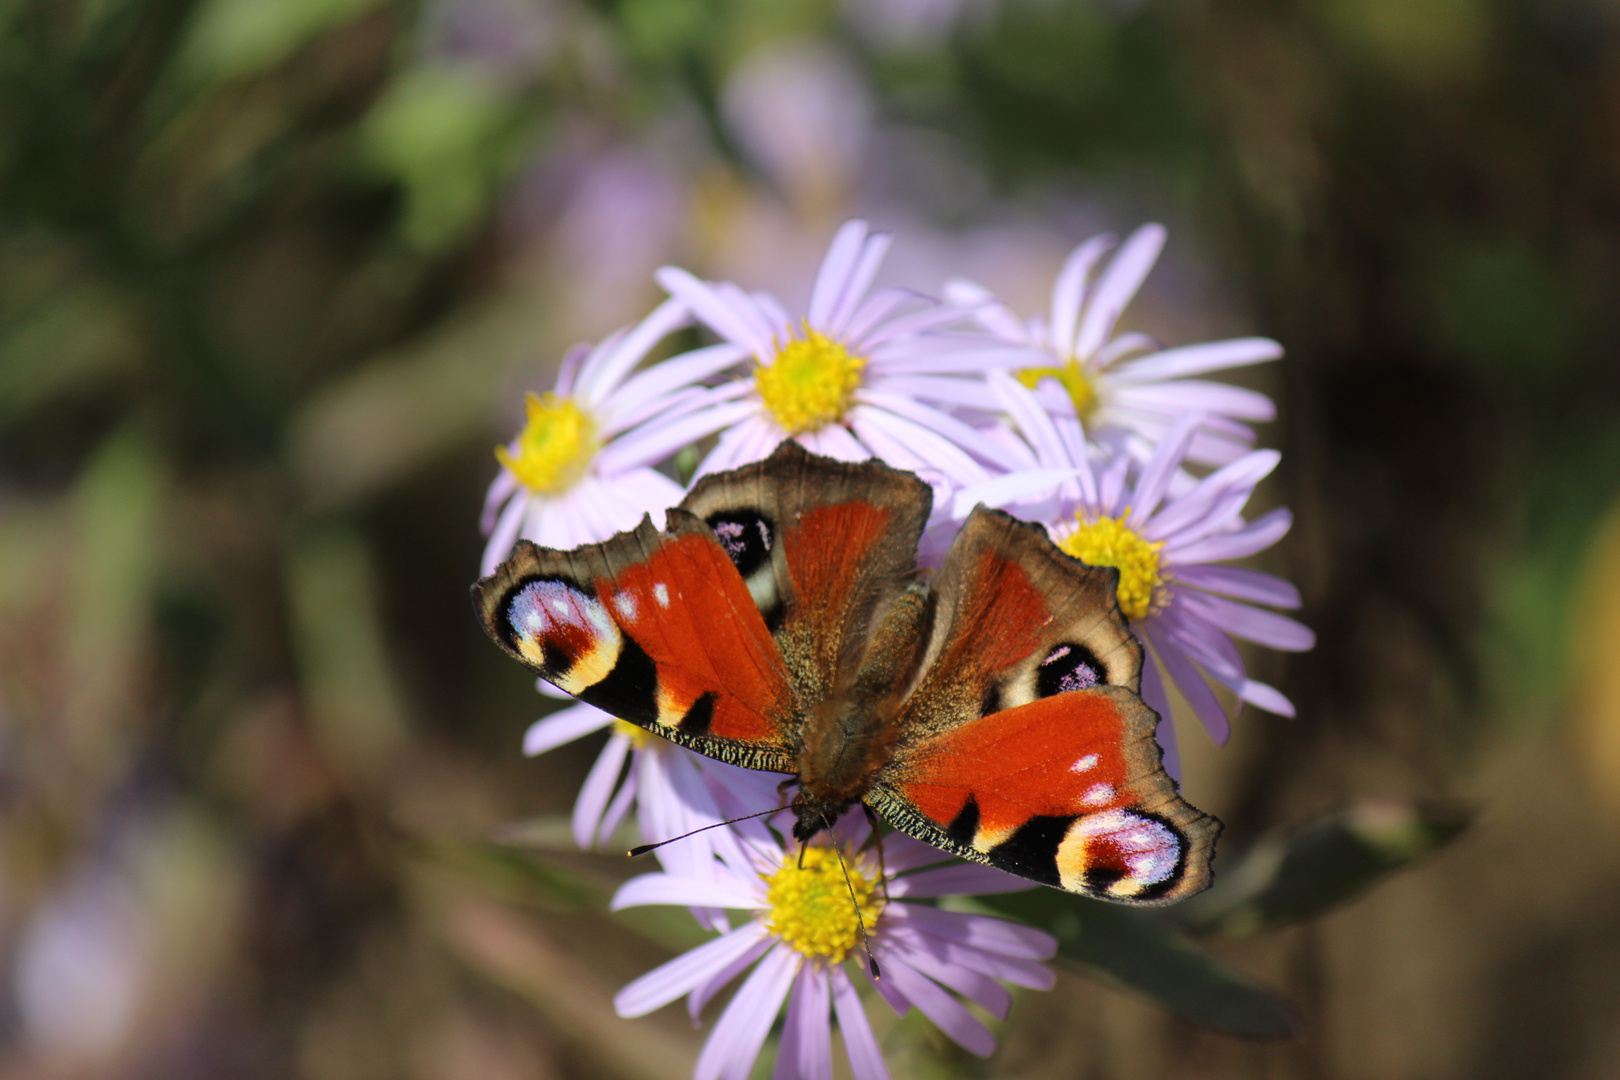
866 943
644 848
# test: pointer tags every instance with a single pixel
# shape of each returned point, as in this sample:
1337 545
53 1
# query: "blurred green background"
275 273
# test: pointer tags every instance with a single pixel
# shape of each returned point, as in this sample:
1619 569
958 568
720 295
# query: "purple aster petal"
628 792
503 536
1190 681
763 315
979 304
667 376
936 1003
1262 696
1015 487
776 317
932 959
1214 502
1118 284
1069 290
865 1059
879 306
714 312
1033 421
736 1040
1188 395
902 853
1202 641
1155 479
904 445
957 880
568 369
598 789
943 389
665 983
806 1050
931 419
985 933
947 949
834 441
655 441
836 268
884 340
598 378
860 280
563 726
888 991
1153 692
1241 583
704 993
1240 543
1196 359
1122 346
948 358
501 489
728 892
1250 623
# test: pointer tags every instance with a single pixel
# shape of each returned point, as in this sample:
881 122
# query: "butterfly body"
780 623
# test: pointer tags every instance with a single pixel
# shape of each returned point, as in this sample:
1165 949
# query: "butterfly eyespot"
746 536
1122 853
1068 666
562 630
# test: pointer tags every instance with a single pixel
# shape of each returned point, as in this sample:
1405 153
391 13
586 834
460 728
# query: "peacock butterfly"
780 623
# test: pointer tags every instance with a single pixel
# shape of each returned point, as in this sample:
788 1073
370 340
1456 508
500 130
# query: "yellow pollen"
811 382
1072 377
557 443
1110 542
638 736
810 908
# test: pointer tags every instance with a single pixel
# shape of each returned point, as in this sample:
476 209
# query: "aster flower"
1168 549
582 467
804 927
859 376
1125 388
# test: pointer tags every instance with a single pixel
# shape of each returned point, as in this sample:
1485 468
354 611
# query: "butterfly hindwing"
656 628
1067 790
826 548
1024 744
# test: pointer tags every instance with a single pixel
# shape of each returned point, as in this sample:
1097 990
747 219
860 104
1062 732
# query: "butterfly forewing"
825 548
656 628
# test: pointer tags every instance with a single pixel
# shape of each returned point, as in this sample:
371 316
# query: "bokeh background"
274 275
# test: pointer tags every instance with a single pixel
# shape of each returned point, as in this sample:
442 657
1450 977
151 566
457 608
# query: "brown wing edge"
583 565
1157 798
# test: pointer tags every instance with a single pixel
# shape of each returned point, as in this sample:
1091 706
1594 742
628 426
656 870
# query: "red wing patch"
674 642
1066 790
827 548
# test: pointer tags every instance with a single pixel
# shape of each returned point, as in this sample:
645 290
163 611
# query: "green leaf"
1284 880
1141 950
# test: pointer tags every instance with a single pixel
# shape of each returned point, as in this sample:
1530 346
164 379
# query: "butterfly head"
815 813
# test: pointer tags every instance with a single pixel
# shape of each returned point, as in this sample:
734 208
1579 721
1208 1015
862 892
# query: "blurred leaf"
228 39
446 133
1281 881
1141 950
353 700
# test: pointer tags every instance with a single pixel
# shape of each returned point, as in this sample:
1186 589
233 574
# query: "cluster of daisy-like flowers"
1107 439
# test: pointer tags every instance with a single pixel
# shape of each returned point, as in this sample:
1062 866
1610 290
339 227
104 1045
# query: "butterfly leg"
877 838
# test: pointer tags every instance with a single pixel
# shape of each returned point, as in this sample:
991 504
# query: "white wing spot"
626 605
1098 794
661 594
561 607
1085 764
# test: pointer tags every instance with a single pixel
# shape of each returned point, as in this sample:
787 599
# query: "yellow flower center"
1110 542
557 443
810 908
638 736
1072 377
811 382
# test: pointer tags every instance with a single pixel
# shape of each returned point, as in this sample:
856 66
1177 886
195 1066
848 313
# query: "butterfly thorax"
849 737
